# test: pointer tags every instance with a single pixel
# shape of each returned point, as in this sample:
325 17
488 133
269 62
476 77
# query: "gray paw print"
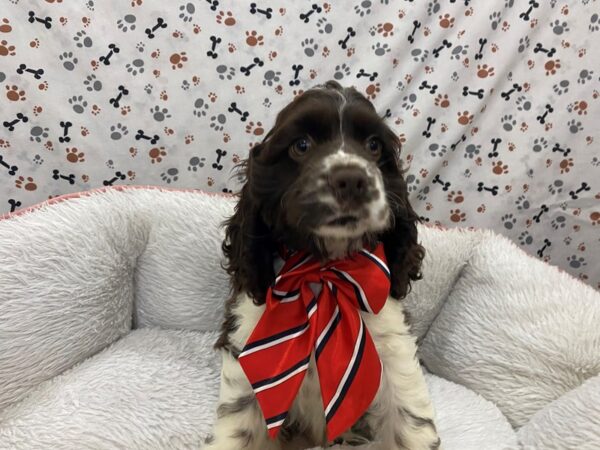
38 133
508 122
217 122
341 71
185 85
523 104
118 131
459 51
594 22
419 55
37 159
271 77
585 76
509 3
574 126
408 101
140 46
525 238
310 47
159 114
187 12
433 7
523 44
196 163
539 144
324 26
82 39
364 8
148 88
110 164
422 194
559 27
2 77
127 23
561 87
78 104
522 203
380 49
267 103
508 221
437 149
136 66
495 18
92 83
558 222
69 62
225 72
200 107
454 76
576 262
171 174
89 5
412 183
471 150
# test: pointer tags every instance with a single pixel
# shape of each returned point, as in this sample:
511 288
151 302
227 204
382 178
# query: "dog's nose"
348 182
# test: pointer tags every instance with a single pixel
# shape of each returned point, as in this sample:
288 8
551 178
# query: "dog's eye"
374 146
301 146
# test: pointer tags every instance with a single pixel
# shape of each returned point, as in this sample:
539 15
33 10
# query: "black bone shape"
463 138
478 93
388 114
20 118
584 187
220 153
424 219
140 135
226 191
479 54
425 85
543 209
539 48
37 73
214 40
14 204
564 151
65 126
466 2
112 48
213 4
255 62
47 21
57 176
416 26
344 42
306 16
515 87
160 23
362 73
542 119
118 176
547 244
445 185
234 108
267 12
430 122
532 5
445 44
122 91
11 169
494 153
482 187
296 68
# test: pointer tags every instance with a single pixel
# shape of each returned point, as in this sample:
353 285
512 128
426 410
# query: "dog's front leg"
240 424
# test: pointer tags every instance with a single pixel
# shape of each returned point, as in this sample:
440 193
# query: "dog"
327 181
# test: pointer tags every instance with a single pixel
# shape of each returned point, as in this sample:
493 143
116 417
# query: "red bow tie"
298 321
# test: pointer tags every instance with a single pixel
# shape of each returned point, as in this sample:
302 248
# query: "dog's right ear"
248 244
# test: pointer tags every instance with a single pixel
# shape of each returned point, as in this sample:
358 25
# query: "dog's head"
326 179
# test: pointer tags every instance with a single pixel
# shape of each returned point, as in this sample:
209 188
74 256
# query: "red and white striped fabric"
298 322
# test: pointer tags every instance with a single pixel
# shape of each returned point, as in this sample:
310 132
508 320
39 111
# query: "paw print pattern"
200 107
495 19
508 221
224 72
217 122
508 123
159 114
92 83
171 175
341 71
576 262
196 163
324 26
118 131
68 61
37 133
78 103
380 49
136 66
363 8
127 23
594 22
82 40
559 27
310 47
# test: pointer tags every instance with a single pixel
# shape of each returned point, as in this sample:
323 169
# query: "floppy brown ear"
403 252
248 245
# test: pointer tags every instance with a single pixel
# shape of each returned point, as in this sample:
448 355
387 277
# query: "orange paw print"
372 90
565 165
442 101
255 129
74 155
5 26
14 94
464 118
551 66
499 169
189 139
581 107
253 38
457 216
386 29
28 185
7 50
156 154
595 218
446 21
163 96
226 18
456 197
212 97
484 71
177 60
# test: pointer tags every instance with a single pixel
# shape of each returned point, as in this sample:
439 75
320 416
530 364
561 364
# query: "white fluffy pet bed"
110 302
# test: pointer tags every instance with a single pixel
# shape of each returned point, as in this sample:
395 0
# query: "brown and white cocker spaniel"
326 182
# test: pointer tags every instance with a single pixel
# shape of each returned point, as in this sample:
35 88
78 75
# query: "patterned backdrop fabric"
496 102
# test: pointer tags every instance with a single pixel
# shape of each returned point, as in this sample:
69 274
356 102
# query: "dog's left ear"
403 252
